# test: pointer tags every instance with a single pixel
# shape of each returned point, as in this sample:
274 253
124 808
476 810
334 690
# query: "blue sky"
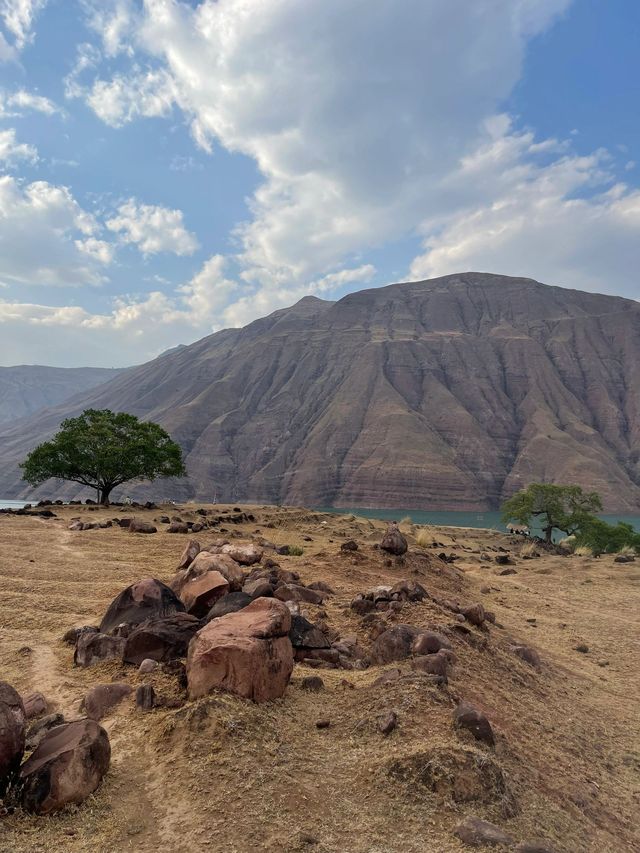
168 169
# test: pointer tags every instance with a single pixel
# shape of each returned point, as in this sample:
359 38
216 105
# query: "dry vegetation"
222 774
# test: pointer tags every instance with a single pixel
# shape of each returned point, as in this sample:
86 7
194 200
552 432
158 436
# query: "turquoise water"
12 504
455 519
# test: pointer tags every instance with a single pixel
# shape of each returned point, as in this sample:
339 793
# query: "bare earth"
223 774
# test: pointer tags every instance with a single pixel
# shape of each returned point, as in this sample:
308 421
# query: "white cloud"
12 151
18 17
12 105
144 94
46 238
152 228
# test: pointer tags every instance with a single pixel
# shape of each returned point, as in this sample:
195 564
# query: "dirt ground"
223 774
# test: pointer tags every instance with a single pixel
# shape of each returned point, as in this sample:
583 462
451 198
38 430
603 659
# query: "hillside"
26 388
450 393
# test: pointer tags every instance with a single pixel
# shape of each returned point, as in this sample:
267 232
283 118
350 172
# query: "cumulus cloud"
17 18
12 151
46 216
152 228
15 103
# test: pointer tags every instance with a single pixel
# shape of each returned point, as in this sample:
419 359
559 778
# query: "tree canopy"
103 449
555 507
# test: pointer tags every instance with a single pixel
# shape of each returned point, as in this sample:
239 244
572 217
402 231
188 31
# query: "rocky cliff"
450 393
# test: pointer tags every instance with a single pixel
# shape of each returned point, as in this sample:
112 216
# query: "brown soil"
222 774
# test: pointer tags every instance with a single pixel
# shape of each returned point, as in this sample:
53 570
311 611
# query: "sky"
168 169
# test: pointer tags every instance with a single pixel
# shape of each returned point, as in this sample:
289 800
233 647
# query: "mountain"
442 394
26 388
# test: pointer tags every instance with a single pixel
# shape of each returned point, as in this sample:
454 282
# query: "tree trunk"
105 491
548 533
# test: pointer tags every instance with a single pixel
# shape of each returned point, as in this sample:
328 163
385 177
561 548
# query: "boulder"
178 527
393 542
229 603
258 588
103 697
201 593
467 717
93 648
66 767
294 592
145 697
13 722
474 614
247 653
528 655
386 723
436 664
34 705
246 555
70 637
349 545
146 599
313 683
222 563
321 586
147 666
409 591
189 554
137 526
429 643
479 833
394 644
161 639
37 730
305 635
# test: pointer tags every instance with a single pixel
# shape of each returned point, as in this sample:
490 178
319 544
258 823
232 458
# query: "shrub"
295 551
424 537
583 551
603 538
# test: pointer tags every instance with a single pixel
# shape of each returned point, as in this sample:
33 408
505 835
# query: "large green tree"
563 508
103 449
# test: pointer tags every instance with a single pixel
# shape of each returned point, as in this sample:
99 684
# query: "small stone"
582 648
349 545
528 655
34 705
148 666
470 718
145 697
477 833
312 682
505 572
386 723
323 724
387 677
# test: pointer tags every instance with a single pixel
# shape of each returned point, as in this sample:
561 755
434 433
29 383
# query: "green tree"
563 508
103 449
605 538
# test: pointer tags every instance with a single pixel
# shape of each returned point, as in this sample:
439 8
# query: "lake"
14 504
492 520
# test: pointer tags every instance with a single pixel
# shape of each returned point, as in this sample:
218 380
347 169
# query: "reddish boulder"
477 833
178 527
432 664
161 639
246 555
467 717
201 593
393 541
409 591
294 592
429 643
394 644
474 614
258 588
305 635
528 655
66 767
34 705
13 722
189 554
137 526
93 648
146 599
247 653
222 563
103 697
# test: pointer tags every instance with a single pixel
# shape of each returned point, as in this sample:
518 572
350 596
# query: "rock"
349 545
93 648
294 592
503 560
145 697
146 599
304 634
393 644
321 586
393 541
13 721
205 562
147 666
178 527
582 648
323 724
103 697
362 605
528 655
467 717
535 845
387 677
247 653
246 555
34 705
258 588
409 591
38 729
66 767
189 554
479 833
229 603
70 637
137 526
506 572
200 594
429 642
161 639
624 558
312 682
436 664
474 614
386 723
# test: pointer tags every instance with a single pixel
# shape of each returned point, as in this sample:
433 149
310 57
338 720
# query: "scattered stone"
147 666
70 637
386 723
582 648
467 717
295 592
13 722
189 554
258 588
393 541
528 655
535 845
103 697
146 599
161 639
34 705
503 560
305 635
145 697
387 677
474 614
349 545
94 648
624 558
479 833
178 527
362 605
229 603
137 526
66 767
313 683
247 653
321 586
406 590
323 724
394 644
505 572
432 664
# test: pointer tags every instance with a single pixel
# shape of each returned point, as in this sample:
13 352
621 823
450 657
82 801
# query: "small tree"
603 538
104 450
562 508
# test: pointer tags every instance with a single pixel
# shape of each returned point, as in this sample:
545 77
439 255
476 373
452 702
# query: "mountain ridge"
445 394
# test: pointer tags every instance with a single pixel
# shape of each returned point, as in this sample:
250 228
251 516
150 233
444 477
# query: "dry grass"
226 775
583 551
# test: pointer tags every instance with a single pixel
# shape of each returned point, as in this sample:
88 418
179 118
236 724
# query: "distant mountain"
27 388
442 394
